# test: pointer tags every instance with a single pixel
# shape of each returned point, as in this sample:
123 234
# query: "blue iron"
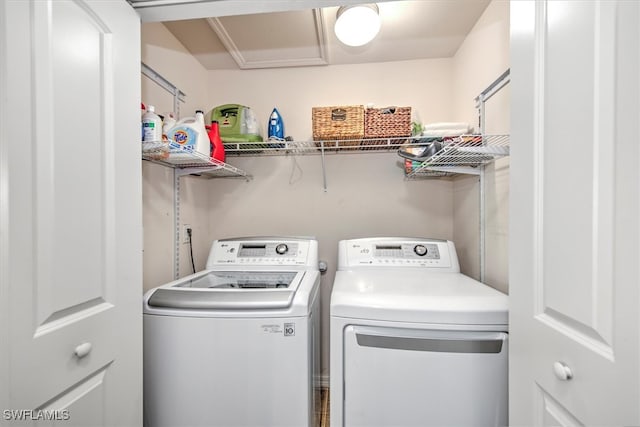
275 130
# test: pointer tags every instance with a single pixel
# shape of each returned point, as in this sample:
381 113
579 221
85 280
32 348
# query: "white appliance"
413 341
238 343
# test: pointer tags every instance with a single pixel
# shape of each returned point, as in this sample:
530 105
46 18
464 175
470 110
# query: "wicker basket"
338 123
387 122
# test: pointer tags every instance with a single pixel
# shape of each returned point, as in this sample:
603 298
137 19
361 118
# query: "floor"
322 408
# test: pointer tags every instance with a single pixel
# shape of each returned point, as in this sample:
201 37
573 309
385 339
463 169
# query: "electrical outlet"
185 233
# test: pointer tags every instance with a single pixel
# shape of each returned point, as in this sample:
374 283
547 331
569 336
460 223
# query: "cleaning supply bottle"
143 109
168 123
276 128
200 117
151 125
217 148
191 135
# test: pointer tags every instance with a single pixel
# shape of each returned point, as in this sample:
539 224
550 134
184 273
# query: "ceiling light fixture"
357 25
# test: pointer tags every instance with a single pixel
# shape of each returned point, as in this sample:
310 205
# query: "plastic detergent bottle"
168 123
191 134
217 148
143 109
151 125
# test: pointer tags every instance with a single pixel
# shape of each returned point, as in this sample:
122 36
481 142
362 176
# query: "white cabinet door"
575 218
70 213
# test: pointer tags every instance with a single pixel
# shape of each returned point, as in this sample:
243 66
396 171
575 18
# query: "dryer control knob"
420 250
282 249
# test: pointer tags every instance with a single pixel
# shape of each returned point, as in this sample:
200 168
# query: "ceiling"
410 30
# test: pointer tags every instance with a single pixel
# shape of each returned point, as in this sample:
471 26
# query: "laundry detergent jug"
191 135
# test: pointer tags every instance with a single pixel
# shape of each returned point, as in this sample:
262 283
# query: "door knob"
82 350
562 371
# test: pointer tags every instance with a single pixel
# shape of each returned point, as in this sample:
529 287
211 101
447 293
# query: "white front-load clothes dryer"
238 343
413 341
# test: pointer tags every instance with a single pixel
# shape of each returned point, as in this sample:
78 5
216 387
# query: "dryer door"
412 377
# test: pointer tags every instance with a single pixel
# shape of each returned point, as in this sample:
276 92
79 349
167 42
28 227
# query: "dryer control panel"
392 252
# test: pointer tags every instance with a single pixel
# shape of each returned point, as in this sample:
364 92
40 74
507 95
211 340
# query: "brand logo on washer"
289 329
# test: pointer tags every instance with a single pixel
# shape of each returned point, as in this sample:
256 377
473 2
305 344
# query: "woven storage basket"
390 122
343 123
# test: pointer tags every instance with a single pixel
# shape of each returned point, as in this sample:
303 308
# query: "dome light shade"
357 25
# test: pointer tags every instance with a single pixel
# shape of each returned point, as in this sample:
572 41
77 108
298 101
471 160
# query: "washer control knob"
420 250
282 249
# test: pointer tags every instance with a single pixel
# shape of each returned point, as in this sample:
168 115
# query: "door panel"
70 145
73 223
83 400
552 413
575 222
575 246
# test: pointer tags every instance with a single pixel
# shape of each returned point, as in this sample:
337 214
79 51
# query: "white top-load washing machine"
236 344
413 341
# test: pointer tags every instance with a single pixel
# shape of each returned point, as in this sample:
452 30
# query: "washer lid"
419 297
241 280
229 290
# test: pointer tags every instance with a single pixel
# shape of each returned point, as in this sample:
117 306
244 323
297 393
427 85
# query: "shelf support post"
481 99
176 220
324 169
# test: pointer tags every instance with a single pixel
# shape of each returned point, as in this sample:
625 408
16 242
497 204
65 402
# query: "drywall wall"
366 194
425 85
481 59
164 54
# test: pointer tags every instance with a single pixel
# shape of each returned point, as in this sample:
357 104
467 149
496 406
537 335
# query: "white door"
70 213
575 197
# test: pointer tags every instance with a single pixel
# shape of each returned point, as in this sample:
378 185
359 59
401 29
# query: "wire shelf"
188 162
459 154
462 154
280 147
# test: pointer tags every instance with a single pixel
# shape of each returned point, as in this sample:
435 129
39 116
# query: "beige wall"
163 53
425 85
366 195
481 59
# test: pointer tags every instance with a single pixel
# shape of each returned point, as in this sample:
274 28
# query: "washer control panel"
260 252
397 253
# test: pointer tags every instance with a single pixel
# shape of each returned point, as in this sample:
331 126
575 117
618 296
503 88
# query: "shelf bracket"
178 95
324 168
455 169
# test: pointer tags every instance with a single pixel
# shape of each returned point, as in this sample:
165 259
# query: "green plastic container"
237 123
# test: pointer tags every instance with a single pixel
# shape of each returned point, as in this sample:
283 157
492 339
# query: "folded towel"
446 126
445 132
